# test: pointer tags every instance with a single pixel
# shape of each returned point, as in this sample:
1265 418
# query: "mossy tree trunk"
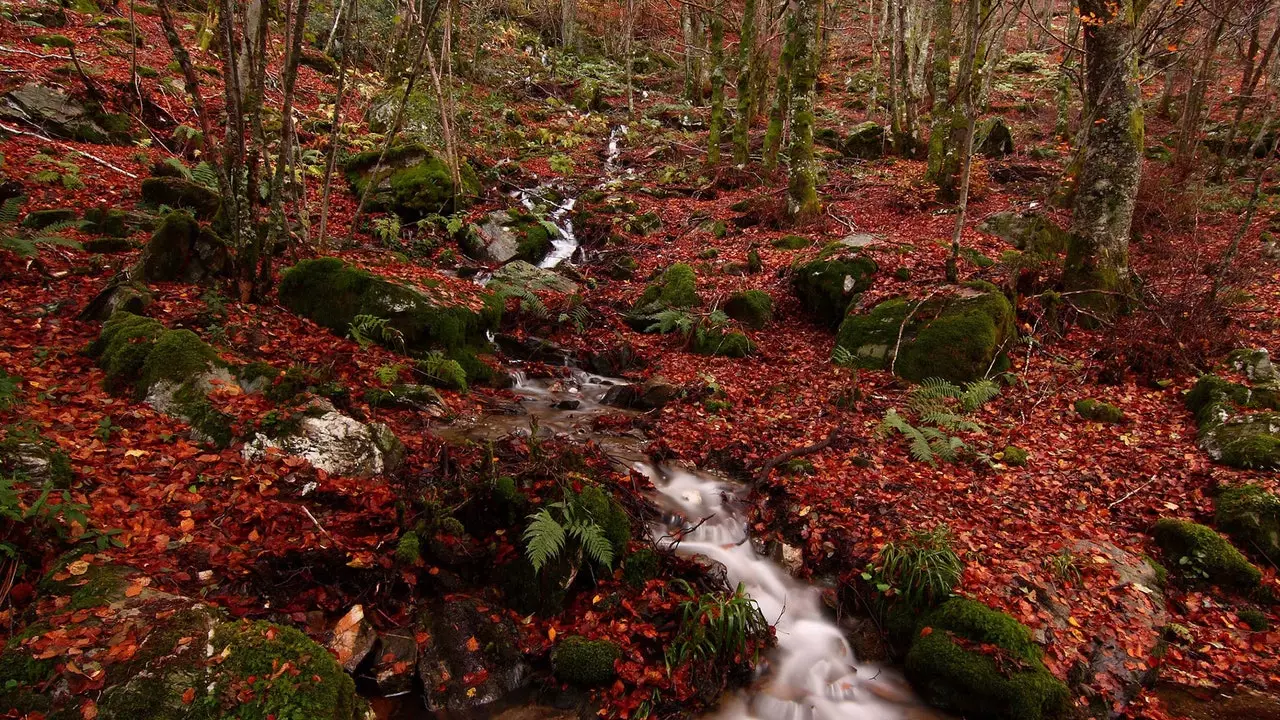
1098 248
717 84
802 184
1191 121
1066 71
781 98
568 24
742 123
940 84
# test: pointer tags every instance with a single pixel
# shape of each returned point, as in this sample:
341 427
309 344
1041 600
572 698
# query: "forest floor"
183 509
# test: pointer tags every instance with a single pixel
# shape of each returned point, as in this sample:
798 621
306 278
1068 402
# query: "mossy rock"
753 308
609 515
88 580
108 245
715 341
1251 516
583 662
993 138
641 566
41 219
675 288
177 357
319 62
1200 554
1228 432
123 346
865 140
409 548
108 222
1030 232
827 286
981 663
512 235
958 336
1014 456
1096 410
332 293
181 193
412 182
1255 619
791 242
182 249
403 397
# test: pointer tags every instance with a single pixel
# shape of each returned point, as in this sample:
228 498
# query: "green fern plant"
204 174
9 385
443 371
387 228
26 244
389 374
367 330
939 407
563 525
530 303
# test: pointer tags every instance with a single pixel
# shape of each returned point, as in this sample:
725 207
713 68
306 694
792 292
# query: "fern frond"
842 357
671 320
978 393
10 209
19 246
544 539
64 225
949 421
593 541
59 241
204 174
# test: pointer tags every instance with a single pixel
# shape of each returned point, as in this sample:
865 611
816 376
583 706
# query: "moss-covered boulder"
182 194
959 334
981 663
791 242
865 140
993 138
471 658
411 181
508 235
528 277
583 662
1015 456
41 219
1199 554
1235 427
1030 232
609 515
674 289
332 294
718 341
1098 411
1251 516
61 115
120 293
753 308
828 285
108 222
183 250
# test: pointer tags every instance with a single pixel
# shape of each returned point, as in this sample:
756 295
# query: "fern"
369 329
204 174
443 371
843 357
529 302
543 539
920 447
978 393
388 374
10 209
594 543
579 316
671 320
176 164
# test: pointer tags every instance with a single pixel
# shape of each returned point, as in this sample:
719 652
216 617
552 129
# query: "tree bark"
1098 247
742 123
717 85
802 185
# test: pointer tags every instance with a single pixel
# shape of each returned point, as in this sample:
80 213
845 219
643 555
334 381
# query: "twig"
317 522
1131 493
897 345
42 56
64 146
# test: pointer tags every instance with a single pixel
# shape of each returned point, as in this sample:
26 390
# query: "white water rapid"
812 674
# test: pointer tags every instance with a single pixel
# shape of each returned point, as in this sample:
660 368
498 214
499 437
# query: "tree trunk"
940 117
335 134
781 108
742 123
1098 248
717 85
802 185
1191 122
568 23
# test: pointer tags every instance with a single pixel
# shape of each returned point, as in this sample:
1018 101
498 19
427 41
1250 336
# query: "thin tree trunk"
781 109
742 123
279 227
335 132
717 85
802 184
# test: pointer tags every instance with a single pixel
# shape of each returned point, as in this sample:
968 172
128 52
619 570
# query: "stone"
120 293
465 643
865 140
993 138
57 113
411 181
182 249
1029 231
532 348
335 443
827 286
529 277
649 395
178 192
1255 365
958 334
352 639
396 662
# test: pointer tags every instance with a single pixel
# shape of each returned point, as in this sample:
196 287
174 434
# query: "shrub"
923 568
1200 553
716 627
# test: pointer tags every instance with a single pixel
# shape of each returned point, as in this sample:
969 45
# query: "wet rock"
335 443
182 249
1031 232
649 395
396 663
958 334
405 397
57 113
353 639
507 235
791 559
614 361
471 658
34 457
567 405
865 141
411 181
527 276
1204 703
532 348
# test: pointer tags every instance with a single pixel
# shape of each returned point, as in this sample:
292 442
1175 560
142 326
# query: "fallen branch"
777 460
893 362
65 146
42 56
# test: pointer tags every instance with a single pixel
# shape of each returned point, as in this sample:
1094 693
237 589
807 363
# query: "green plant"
943 405
1065 567
389 374
387 228
561 164
922 568
9 385
105 429
26 242
568 523
443 371
715 626
367 330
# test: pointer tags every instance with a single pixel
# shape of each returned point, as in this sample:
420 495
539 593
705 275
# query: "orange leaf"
926 631
189 696
473 644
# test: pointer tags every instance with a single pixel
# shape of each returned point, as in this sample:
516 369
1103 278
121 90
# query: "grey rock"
528 276
54 111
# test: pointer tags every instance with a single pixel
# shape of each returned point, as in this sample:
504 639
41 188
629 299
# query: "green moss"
412 182
715 406
104 221
1255 619
1251 517
207 422
1091 409
123 346
409 548
1007 681
253 654
40 219
1015 456
677 288
754 264
609 515
181 248
753 308
176 356
52 41
332 293
1249 441
101 583
402 396
791 242
714 341
108 245
588 663
641 566
902 273
958 337
826 287
177 192
1199 553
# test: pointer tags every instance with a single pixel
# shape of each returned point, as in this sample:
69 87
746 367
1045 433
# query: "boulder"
352 639
33 457
59 114
993 138
529 277
332 294
120 294
411 181
507 235
396 662
675 288
183 250
1198 553
752 308
471 657
1030 232
827 286
1235 427
958 334
41 219
405 397
335 443
1251 516
648 395
865 140
181 193
1255 364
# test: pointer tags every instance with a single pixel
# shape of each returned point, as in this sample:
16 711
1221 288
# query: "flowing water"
812 674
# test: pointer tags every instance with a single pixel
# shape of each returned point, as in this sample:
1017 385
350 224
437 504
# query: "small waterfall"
813 673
